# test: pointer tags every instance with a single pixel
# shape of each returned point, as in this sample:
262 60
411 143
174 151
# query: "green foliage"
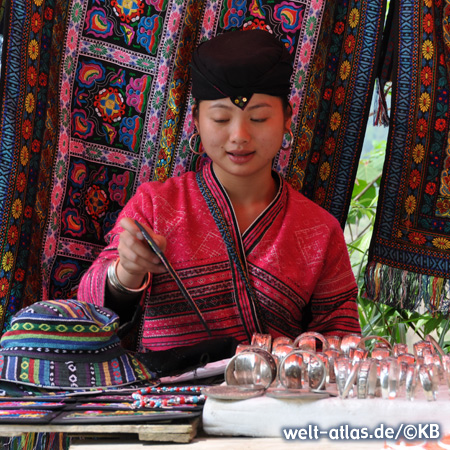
375 318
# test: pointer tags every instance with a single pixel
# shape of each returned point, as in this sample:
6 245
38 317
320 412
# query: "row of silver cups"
315 363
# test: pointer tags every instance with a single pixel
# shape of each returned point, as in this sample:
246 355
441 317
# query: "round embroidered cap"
238 64
67 344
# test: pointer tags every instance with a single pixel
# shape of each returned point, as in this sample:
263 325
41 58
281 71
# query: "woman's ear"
287 124
195 112
288 117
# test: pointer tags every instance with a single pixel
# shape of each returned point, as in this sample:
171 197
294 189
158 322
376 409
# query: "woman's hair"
238 64
286 104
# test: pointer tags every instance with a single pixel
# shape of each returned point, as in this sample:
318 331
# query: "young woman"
254 254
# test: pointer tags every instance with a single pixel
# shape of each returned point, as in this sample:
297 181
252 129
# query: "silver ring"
309 339
389 375
366 380
253 367
349 341
281 340
381 353
411 381
428 381
422 347
332 354
293 375
262 340
362 342
399 349
342 366
334 342
348 386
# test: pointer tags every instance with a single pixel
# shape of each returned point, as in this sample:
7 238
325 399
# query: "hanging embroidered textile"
115 112
29 96
409 260
338 94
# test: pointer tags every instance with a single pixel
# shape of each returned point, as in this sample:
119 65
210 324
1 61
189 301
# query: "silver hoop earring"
290 141
192 140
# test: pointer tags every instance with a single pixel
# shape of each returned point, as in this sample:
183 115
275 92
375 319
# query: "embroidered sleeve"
93 283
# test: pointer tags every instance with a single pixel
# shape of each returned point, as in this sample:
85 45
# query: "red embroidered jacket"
289 272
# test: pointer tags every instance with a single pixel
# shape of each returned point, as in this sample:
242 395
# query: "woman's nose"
240 133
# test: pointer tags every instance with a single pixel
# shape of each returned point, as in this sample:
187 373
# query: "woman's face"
242 142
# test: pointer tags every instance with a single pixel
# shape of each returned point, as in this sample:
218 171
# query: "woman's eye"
220 120
258 119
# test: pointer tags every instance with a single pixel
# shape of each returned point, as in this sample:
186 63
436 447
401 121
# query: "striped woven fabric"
67 344
63 324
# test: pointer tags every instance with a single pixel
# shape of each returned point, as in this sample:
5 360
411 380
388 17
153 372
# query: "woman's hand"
136 258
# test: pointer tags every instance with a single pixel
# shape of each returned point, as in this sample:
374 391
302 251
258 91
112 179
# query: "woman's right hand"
136 258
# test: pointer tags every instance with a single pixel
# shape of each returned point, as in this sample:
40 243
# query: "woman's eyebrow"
248 108
260 105
219 106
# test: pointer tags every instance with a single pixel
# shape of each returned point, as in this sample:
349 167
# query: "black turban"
238 64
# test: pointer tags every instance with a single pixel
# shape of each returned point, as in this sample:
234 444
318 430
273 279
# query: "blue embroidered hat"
67 344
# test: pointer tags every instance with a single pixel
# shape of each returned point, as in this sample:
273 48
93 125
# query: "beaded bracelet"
116 284
144 401
171 390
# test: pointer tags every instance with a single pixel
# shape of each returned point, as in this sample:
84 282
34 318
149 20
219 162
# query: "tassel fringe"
380 116
36 441
407 290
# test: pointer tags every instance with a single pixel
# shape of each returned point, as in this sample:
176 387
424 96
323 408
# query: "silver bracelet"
116 284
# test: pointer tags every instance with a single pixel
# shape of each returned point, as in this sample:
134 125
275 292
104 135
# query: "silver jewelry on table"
381 353
281 350
399 349
118 286
342 367
421 347
332 354
402 367
307 341
389 375
358 354
281 340
349 341
242 347
324 358
349 383
446 368
366 380
362 342
263 341
334 342
254 367
232 392
411 381
428 381
301 369
406 357
435 344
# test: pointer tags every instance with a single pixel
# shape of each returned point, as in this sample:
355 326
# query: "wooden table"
179 432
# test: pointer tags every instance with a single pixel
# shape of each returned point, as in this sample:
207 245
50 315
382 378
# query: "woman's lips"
240 157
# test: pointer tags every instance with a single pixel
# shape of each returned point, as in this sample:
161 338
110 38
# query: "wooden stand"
180 431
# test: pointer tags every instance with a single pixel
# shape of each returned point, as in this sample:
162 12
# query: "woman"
254 254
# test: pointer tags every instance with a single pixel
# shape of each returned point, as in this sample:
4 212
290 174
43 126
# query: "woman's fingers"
136 255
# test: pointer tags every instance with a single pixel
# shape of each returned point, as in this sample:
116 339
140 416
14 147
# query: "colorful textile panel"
34 31
338 92
125 109
410 251
121 111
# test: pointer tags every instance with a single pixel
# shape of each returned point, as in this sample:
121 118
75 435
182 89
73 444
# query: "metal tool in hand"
173 273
